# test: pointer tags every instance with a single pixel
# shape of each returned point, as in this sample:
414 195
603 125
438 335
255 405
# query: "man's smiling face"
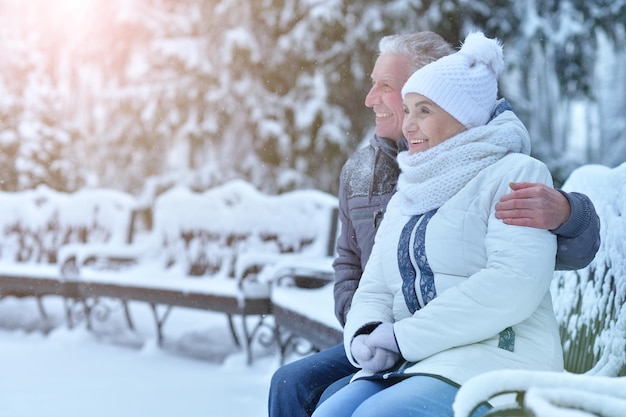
388 77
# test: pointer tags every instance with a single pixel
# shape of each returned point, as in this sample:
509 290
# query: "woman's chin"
418 147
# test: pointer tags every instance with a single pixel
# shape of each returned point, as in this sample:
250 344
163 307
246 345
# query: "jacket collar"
388 146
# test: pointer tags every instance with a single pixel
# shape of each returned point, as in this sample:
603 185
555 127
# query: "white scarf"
430 178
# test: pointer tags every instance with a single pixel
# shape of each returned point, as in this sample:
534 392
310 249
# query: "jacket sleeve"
373 299
579 237
347 265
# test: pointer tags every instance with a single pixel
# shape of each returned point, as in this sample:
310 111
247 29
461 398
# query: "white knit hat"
465 83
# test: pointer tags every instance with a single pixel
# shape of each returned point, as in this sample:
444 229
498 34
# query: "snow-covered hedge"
589 303
34 224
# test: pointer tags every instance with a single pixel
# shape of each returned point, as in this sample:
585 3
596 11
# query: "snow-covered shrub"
590 303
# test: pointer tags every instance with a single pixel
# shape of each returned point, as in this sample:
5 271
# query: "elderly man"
368 180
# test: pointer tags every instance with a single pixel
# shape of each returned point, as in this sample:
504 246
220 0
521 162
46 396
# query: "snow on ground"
114 372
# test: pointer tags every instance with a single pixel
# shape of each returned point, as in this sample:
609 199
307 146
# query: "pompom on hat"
464 84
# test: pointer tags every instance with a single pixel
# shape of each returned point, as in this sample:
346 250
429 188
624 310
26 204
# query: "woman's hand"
377 351
383 337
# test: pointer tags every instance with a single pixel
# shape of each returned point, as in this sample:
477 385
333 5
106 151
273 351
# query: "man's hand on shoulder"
534 205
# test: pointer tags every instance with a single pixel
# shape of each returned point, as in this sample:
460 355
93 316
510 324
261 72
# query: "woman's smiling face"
426 124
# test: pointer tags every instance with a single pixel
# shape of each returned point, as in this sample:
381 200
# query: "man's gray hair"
421 48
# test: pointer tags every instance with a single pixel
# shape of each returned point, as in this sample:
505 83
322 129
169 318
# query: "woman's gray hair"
421 48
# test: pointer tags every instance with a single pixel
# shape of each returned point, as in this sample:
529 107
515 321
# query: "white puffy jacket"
488 277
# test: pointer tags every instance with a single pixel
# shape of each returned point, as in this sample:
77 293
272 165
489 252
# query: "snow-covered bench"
590 305
301 295
38 282
191 256
164 290
302 305
35 224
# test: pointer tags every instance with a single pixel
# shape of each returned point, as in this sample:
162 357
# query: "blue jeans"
416 396
296 388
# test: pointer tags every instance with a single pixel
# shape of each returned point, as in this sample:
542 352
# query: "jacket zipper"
377 214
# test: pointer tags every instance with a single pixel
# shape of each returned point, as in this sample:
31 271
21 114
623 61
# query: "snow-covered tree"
140 95
34 134
562 56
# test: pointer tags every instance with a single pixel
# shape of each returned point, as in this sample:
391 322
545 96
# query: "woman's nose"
409 124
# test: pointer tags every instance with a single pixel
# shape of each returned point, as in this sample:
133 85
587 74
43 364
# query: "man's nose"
372 97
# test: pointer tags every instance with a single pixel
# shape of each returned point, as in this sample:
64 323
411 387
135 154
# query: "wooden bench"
590 305
35 224
231 301
45 283
302 305
302 297
190 257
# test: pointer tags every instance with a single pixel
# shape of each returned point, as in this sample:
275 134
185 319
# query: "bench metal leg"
68 305
233 332
291 343
282 346
160 321
249 335
252 335
42 311
129 319
77 309
89 304
248 338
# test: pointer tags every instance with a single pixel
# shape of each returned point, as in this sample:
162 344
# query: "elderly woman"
449 291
